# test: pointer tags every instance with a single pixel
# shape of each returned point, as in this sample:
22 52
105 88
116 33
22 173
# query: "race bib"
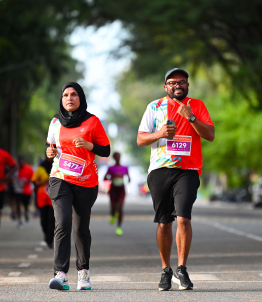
179 145
71 165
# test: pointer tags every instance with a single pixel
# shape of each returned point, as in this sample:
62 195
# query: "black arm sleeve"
103 151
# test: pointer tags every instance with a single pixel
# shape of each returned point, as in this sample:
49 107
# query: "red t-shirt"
184 128
5 160
25 174
70 157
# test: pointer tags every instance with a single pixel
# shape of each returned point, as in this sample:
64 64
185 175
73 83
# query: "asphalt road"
225 262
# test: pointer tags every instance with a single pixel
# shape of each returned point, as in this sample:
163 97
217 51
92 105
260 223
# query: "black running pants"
72 207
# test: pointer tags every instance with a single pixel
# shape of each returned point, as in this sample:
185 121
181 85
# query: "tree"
33 47
165 34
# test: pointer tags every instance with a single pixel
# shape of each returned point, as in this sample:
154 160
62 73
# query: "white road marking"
32 256
195 277
19 280
195 256
110 279
234 231
38 249
14 274
24 264
203 277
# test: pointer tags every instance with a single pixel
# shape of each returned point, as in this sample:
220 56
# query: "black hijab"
77 117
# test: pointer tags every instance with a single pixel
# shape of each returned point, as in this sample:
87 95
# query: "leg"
26 202
43 220
61 194
50 227
164 240
185 193
112 208
183 239
84 198
120 212
113 203
18 206
120 202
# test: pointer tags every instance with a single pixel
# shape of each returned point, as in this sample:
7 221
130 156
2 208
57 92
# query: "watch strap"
192 118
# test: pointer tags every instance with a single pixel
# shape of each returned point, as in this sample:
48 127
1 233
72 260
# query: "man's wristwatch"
192 118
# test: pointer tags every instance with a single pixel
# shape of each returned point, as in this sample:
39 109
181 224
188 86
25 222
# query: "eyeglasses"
173 83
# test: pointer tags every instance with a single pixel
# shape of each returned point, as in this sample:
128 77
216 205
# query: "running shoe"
27 216
112 220
181 278
84 280
59 282
20 225
119 231
165 281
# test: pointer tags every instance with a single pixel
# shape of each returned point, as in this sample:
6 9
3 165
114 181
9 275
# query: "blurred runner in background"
117 191
23 189
40 179
5 160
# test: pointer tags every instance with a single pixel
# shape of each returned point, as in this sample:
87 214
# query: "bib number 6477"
70 165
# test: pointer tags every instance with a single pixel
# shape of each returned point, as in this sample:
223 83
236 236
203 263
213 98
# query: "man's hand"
205 131
51 151
167 131
81 143
146 139
184 109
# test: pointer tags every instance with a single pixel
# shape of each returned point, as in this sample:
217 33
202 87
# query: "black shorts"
174 192
22 199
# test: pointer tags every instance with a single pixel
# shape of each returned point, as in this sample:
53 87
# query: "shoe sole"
54 284
165 290
83 288
181 287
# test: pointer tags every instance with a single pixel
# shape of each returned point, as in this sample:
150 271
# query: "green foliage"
33 48
236 148
165 34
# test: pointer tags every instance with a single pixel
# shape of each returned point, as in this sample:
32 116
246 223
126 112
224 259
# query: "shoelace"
185 273
164 276
83 275
60 275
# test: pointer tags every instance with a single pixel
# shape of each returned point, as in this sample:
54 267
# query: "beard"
179 97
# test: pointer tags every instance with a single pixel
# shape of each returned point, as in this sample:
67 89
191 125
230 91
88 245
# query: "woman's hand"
81 143
51 151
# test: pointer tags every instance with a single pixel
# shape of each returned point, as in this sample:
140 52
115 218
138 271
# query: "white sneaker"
59 282
83 280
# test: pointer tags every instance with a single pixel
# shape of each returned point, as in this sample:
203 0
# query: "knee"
165 226
183 222
64 224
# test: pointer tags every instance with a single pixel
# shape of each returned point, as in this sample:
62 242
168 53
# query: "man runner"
173 127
